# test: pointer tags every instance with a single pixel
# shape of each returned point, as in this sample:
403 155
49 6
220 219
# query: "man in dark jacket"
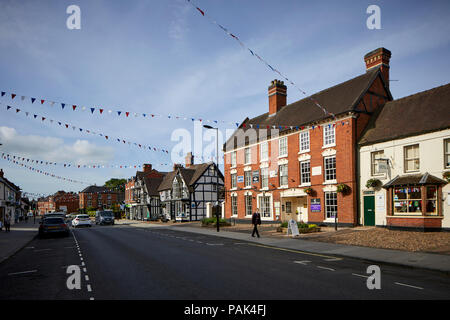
256 219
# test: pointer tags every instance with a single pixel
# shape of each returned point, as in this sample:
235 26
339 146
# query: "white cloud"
81 152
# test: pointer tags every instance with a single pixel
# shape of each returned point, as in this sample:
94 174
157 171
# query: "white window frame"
302 173
331 208
248 155
327 169
264 178
248 204
248 178
304 142
374 156
234 205
233 159
447 153
283 175
329 135
283 147
416 158
264 151
233 180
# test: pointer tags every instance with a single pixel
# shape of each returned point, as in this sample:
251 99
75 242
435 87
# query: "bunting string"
78 166
67 126
44 172
254 54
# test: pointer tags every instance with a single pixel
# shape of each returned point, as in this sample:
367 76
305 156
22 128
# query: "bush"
301 225
213 221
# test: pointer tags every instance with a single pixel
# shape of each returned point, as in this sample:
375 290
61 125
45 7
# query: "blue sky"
163 57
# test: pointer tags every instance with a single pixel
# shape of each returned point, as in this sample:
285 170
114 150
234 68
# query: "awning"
414 179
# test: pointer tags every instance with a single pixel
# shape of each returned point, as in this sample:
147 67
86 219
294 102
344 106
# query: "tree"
116 184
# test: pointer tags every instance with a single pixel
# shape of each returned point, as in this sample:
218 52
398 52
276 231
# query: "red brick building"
60 201
98 197
294 160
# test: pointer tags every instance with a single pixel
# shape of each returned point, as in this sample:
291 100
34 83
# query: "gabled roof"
190 175
152 184
339 99
416 114
96 189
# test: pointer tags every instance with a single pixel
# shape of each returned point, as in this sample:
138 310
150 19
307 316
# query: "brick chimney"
379 58
277 96
189 160
147 167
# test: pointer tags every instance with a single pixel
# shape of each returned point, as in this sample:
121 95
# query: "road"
126 262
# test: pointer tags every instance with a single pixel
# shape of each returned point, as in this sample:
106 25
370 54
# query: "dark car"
104 217
53 225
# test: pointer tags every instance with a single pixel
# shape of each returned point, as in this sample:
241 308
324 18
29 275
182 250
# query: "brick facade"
57 202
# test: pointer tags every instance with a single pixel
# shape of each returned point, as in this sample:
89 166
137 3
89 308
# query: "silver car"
104 217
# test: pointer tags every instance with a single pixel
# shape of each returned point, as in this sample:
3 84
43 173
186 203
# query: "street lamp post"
217 173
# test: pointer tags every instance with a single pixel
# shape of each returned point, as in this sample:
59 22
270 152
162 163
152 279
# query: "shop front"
414 202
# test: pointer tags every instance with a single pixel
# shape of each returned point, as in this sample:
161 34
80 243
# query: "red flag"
74 107
127 113
43 118
42 101
106 137
13 95
67 126
101 111
203 14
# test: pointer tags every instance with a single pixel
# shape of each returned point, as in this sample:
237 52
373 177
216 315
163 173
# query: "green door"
369 210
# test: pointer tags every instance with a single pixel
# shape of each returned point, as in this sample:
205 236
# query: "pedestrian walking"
256 220
7 223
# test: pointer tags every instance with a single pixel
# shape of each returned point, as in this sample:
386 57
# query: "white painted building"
406 149
9 194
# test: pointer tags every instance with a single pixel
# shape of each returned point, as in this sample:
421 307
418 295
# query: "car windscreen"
53 221
106 213
83 217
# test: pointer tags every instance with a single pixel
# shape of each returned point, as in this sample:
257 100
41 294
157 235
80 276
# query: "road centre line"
302 262
294 251
21 272
360 275
407 285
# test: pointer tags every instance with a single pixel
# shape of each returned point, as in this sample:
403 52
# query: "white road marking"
325 268
86 277
407 285
215 244
39 250
89 288
22 272
84 269
302 262
91 298
359 275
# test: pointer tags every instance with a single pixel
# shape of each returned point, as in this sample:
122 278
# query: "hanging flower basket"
373 183
446 175
343 188
309 190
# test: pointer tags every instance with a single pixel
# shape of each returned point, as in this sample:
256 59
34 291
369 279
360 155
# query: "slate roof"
339 99
190 175
416 114
414 179
152 184
95 189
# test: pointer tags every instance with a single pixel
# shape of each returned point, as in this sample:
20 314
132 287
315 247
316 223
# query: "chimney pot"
277 96
379 58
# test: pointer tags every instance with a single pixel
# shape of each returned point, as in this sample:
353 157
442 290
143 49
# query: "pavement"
22 233
419 260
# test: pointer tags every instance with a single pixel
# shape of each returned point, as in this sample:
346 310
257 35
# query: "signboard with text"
315 205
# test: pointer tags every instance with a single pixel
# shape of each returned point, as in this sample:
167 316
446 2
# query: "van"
104 217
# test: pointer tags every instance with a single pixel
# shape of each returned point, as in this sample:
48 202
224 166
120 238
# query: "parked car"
53 225
104 217
81 220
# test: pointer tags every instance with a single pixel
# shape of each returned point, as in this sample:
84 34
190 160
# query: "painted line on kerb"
408 285
294 251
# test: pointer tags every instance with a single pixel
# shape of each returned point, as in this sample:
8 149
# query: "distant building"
60 201
98 197
141 195
10 196
186 191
